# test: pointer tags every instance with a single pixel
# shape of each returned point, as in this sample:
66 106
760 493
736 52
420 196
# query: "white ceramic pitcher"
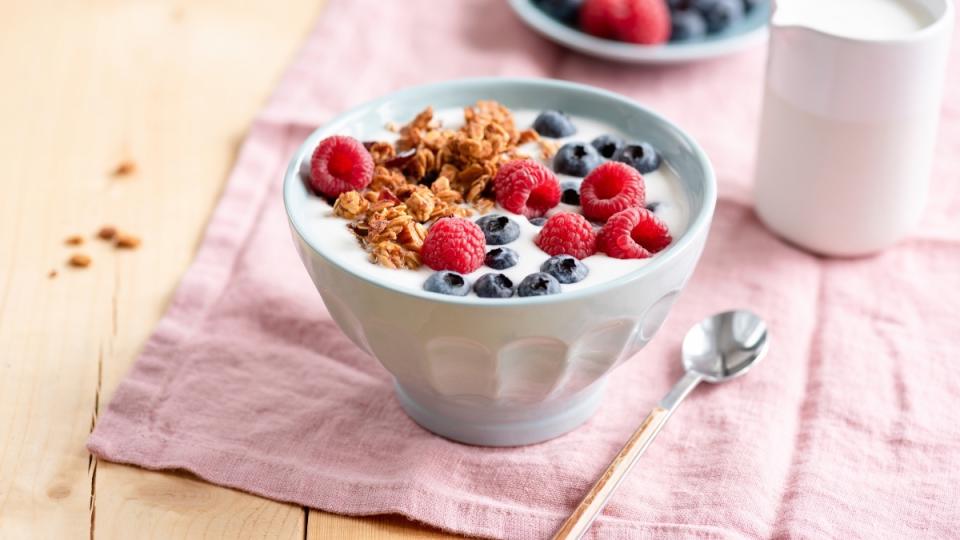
850 115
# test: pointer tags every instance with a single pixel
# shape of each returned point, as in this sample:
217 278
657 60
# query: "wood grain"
171 86
323 526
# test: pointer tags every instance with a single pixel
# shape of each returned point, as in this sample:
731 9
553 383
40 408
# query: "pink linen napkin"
850 428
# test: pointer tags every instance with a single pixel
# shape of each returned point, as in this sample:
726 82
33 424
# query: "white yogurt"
662 186
860 19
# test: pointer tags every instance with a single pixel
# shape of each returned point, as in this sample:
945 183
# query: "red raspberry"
634 233
454 244
526 187
610 188
645 22
595 17
340 164
567 233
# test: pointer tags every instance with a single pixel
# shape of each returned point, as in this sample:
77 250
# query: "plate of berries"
649 31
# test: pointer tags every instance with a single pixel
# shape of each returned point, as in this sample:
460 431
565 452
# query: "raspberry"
340 164
454 244
526 187
634 233
610 188
645 22
596 15
567 233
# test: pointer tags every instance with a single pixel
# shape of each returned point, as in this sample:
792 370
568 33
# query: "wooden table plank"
144 504
322 526
52 332
171 86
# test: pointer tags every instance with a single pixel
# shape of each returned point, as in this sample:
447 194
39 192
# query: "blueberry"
653 206
554 124
493 286
607 145
566 268
498 230
565 11
687 25
678 5
446 282
538 221
570 193
429 178
576 159
501 257
640 156
538 284
750 5
719 14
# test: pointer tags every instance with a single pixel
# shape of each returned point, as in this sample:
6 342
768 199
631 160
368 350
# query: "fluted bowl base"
482 424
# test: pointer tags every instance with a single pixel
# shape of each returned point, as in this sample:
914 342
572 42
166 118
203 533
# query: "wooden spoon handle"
592 504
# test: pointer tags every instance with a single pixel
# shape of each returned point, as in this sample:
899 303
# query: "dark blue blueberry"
446 282
566 268
538 284
653 206
719 14
678 5
576 159
498 230
429 178
538 221
607 145
554 124
565 11
493 286
501 257
686 25
750 5
570 193
640 156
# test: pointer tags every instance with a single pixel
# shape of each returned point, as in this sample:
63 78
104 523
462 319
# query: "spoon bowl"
725 345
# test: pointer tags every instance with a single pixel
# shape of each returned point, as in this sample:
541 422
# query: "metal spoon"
717 349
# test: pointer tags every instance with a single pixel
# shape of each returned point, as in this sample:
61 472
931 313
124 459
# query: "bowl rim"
667 53
698 225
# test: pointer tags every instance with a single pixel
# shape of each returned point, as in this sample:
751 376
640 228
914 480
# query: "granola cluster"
429 173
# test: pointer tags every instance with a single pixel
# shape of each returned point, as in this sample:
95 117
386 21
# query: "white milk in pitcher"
860 19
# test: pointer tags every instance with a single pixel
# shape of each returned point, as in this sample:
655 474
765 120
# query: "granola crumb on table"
127 241
428 174
107 232
79 260
74 240
125 168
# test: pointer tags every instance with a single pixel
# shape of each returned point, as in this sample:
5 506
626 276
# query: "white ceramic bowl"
520 370
746 33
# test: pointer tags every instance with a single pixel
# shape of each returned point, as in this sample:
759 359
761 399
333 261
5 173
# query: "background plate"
750 31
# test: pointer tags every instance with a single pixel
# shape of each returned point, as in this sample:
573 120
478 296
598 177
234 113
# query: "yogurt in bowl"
515 370
663 196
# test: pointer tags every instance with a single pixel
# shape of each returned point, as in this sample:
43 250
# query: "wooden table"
170 86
